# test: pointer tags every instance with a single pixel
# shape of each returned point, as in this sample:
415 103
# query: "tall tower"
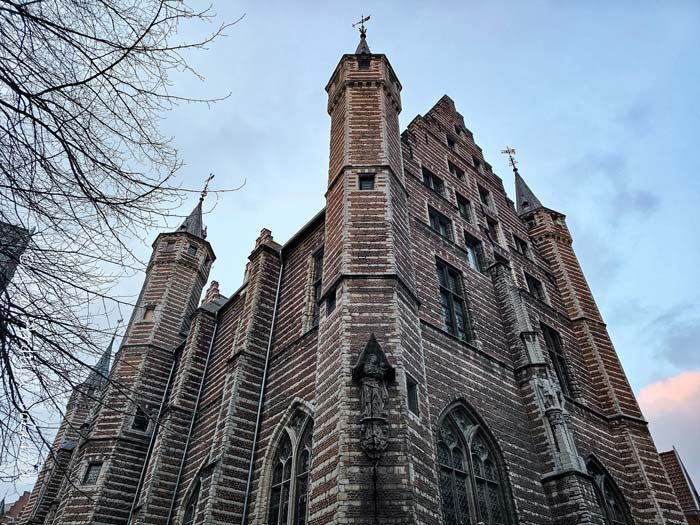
611 395
108 463
369 328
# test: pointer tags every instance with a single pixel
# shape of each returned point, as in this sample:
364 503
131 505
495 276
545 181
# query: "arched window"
472 487
289 486
610 499
191 508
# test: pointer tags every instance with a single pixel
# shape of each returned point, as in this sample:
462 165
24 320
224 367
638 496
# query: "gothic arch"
192 497
472 475
296 424
611 500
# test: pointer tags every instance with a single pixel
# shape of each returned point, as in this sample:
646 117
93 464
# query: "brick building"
682 485
423 350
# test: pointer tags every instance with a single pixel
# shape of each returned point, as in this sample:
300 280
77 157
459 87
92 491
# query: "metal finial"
206 186
511 152
116 329
361 23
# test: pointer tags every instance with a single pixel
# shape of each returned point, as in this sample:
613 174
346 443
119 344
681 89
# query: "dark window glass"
140 421
471 488
316 278
464 207
494 230
440 223
330 301
281 475
452 302
92 473
192 250
191 509
303 463
534 286
485 197
366 181
521 246
454 170
476 162
610 500
433 182
553 343
412 395
451 143
458 130
474 252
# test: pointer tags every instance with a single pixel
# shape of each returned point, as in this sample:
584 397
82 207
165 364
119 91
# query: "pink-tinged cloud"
672 407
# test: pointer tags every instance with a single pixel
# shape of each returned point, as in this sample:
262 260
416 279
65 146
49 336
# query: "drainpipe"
246 501
194 416
151 444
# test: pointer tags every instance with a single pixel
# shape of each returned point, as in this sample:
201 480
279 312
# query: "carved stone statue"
373 372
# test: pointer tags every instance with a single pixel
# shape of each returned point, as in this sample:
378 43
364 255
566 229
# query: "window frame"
471 438
438 221
192 250
316 286
300 442
494 230
601 480
455 170
412 395
464 207
475 252
140 415
521 246
89 468
560 362
433 182
149 313
364 178
451 293
535 287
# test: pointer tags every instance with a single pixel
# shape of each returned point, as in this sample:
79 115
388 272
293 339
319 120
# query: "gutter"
263 384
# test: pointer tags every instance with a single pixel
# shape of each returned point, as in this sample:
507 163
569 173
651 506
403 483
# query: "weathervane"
361 23
511 152
206 186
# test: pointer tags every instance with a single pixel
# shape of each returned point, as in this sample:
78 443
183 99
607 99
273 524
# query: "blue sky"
599 98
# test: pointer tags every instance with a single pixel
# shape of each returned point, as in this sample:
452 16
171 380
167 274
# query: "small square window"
169 246
92 473
433 182
330 302
521 246
366 181
149 313
494 230
440 223
485 197
474 252
476 162
454 170
140 421
535 287
412 395
192 250
464 207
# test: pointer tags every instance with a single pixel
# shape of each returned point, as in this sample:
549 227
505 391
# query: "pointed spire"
525 200
193 223
99 373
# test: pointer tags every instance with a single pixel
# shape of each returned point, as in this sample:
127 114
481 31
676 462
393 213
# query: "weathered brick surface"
380 256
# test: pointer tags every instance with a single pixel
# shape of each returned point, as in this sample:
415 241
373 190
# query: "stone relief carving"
373 372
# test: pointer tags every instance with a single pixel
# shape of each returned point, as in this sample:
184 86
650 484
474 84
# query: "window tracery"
472 487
